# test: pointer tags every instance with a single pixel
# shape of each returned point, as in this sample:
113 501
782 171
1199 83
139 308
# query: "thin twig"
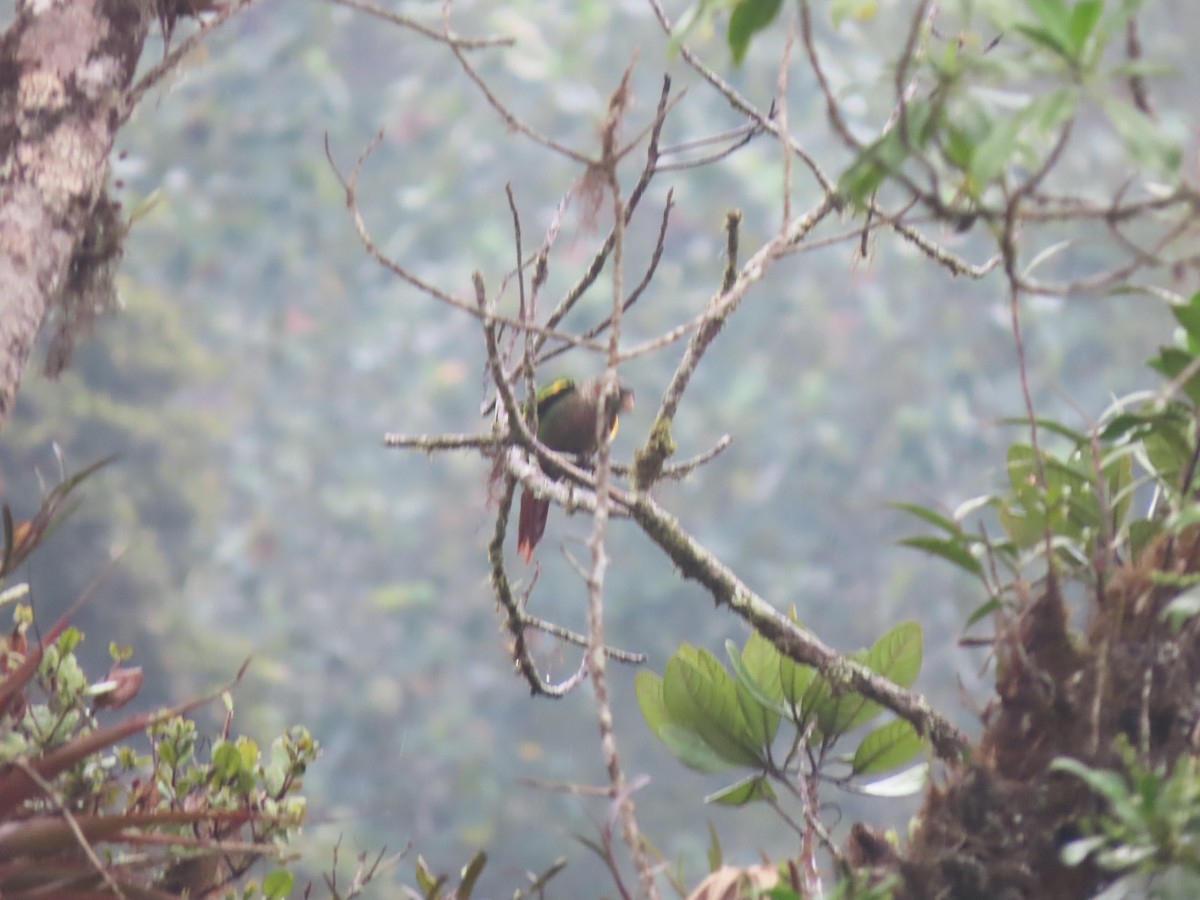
172 59
444 37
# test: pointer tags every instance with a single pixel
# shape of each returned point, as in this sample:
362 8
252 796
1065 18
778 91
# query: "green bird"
566 414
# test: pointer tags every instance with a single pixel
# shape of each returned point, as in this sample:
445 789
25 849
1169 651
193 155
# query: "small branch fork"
518 455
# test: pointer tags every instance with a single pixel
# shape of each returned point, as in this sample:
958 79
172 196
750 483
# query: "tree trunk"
65 67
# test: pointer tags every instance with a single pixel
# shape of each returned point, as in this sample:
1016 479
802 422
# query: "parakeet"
566 414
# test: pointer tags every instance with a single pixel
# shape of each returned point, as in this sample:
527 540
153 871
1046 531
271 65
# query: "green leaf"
1055 20
1146 141
1182 608
647 688
714 855
748 18
1141 533
683 742
896 656
1118 470
1110 785
700 695
884 156
903 784
953 551
430 886
1170 363
1043 37
797 681
928 515
1075 437
983 611
693 750
1084 16
470 875
760 661
762 711
1080 849
278 884
887 747
995 151
749 789
1188 316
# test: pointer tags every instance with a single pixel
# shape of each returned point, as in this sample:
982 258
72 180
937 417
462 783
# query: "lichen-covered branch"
70 65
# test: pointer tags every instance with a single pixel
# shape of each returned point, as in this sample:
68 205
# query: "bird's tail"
534 513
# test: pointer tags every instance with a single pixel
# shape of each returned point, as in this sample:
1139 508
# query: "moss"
648 461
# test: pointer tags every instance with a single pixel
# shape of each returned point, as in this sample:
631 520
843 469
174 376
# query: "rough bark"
65 67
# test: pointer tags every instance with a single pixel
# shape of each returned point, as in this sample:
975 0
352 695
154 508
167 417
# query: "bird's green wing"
553 393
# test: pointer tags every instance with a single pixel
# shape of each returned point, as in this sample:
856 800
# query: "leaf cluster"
1149 834
715 721
83 811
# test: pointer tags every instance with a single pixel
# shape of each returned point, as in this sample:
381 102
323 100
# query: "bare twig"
172 59
443 37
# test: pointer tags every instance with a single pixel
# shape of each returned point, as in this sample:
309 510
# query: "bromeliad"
566 416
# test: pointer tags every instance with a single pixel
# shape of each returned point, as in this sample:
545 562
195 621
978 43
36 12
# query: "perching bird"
566 415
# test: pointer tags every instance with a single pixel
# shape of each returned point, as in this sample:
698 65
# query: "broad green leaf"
759 710
647 688
693 750
749 789
761 661
278 884
953 551
768 703
686 745
700 695
748 18
896 656
887 747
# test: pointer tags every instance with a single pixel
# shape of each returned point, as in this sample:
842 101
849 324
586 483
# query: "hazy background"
261 356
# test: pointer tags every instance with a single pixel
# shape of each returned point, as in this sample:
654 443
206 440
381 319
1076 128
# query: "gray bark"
65 67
